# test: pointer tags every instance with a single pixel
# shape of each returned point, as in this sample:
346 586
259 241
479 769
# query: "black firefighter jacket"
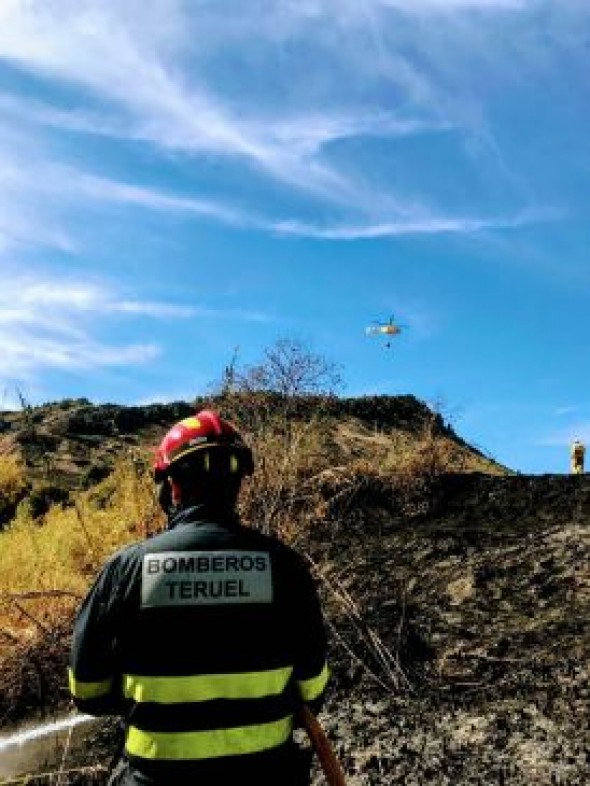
204 638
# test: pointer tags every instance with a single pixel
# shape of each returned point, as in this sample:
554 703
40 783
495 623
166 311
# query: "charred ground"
482 605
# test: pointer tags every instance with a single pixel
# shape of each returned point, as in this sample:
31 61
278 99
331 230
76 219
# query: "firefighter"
577 453
205 638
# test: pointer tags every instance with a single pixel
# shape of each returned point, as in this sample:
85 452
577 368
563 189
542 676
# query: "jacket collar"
201 514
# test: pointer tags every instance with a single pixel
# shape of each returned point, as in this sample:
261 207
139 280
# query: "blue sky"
181 178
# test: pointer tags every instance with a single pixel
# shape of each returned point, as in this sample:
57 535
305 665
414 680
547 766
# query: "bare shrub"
265 400
287 451
291 368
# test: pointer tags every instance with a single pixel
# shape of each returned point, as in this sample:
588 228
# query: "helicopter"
389 329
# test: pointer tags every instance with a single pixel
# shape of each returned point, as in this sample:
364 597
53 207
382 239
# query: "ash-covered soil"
472 627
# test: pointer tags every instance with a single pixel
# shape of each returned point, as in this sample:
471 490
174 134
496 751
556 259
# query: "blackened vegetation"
481 600
32 677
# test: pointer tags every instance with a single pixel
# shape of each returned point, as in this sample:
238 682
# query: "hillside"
456 591
71 445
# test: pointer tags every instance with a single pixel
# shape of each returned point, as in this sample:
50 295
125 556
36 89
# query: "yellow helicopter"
389 329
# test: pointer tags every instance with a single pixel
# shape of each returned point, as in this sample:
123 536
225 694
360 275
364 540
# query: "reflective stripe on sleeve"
206 687
208 744
88 690
312 688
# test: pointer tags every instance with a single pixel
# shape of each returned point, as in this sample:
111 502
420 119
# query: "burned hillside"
472 621
456 591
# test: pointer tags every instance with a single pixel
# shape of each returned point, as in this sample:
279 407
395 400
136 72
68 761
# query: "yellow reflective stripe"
88 690
314 687
208 744
205 687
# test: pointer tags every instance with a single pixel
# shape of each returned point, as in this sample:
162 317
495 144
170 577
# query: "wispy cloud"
424 226
28 299
102 50
110 191
85 121
149 74
24 354
420 6
566 410
51 324
48 324
105 190
304 134
341 78
30 214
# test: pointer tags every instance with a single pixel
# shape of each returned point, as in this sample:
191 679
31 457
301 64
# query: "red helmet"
204 431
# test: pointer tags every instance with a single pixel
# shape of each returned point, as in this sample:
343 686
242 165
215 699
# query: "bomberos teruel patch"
178 578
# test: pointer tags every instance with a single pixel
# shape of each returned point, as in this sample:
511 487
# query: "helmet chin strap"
165 497
169 497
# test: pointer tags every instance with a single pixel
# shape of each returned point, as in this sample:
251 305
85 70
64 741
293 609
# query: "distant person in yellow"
577 453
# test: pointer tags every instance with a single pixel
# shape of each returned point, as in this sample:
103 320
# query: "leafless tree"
290 367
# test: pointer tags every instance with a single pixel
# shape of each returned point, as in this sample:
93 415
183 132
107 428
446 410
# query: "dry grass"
13 481
306 471
46 566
